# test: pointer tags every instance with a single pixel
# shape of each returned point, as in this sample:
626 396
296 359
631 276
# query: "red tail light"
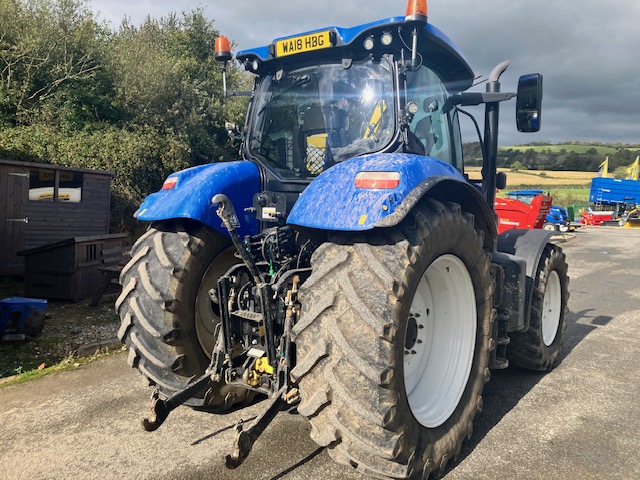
169 183
382 180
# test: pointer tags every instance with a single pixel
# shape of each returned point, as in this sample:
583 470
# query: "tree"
142 101
516 166
166 77
47 49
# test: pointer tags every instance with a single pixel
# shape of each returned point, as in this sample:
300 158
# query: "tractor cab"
324 97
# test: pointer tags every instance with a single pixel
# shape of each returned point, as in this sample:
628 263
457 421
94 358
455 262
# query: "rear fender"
527 245
195 187
332 201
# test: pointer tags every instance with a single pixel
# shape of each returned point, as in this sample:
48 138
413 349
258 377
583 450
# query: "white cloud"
586 49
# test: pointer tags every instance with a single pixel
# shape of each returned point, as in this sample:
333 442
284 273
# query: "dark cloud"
586 50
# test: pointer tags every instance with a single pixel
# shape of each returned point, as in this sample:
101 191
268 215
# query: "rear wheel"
539 347
549 226
394 340
168 319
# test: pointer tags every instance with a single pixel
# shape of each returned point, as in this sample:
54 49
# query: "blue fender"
194 188
527 245
332 201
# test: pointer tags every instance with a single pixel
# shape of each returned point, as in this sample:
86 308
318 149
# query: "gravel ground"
73 326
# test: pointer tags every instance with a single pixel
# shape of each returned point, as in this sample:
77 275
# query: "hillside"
563 147
567 156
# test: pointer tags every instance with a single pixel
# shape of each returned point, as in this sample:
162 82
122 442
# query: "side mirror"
501 180
529 103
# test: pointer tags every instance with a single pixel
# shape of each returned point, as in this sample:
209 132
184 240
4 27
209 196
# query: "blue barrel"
22 316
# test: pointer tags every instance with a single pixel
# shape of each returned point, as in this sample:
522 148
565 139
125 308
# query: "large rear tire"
168 319
539 347
394 341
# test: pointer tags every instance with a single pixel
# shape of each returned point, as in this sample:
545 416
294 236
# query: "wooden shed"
42 204
68 269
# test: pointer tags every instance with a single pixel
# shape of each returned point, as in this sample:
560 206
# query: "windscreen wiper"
296 82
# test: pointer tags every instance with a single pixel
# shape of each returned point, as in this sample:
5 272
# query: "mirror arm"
469 99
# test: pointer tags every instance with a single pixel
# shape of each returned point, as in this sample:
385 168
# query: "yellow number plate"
303 43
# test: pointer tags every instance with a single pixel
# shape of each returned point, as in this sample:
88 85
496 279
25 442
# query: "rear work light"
169 183
382 180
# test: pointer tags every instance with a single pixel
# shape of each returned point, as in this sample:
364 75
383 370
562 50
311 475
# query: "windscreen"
316 116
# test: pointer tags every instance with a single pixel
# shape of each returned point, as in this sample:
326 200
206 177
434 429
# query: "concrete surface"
581 421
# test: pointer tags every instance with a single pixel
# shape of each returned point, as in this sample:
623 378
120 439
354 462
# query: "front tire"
394 341
539 347
167 318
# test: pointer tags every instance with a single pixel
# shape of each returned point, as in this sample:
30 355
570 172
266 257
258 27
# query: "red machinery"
516 214
596 218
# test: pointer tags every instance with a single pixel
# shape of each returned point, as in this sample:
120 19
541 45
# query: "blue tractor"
346 264
556 219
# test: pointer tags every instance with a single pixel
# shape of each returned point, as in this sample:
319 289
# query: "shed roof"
55 167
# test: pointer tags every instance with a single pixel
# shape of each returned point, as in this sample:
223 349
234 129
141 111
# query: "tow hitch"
246 438
162 408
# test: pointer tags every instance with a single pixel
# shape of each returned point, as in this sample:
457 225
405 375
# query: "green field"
566 187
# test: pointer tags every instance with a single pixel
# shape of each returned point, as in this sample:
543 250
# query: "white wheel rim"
551 308
549 226
437 365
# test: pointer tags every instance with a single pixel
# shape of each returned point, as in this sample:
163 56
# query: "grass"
27 356
546 178
69 363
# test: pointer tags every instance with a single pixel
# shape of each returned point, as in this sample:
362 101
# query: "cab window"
431 125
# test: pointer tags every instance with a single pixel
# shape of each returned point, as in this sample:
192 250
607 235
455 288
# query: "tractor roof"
437 50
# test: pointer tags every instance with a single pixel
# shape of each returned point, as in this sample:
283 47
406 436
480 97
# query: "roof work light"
222 53
222 49
416 11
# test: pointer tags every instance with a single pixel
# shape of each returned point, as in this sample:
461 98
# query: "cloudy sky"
587 50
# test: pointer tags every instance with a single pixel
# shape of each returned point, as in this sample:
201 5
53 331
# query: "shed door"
14 192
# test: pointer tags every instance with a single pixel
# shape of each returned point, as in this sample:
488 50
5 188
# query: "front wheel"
550 226
539 347
394 341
